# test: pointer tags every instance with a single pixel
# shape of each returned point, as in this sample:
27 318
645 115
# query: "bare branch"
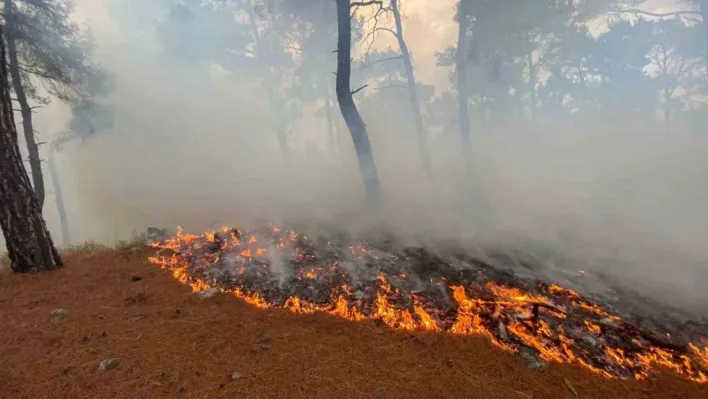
392 86
366 3
369 64
358 90
679 13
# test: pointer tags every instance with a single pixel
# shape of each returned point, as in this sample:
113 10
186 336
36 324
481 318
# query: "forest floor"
171 343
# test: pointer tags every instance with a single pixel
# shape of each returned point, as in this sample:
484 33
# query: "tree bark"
462 89
413 93
350 113
25 109
29 244
59 198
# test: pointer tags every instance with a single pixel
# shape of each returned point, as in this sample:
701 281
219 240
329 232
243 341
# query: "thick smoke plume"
195 146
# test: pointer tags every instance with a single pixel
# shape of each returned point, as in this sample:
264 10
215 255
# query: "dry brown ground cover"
172 344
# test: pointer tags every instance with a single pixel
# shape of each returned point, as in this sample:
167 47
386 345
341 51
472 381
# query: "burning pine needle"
412 290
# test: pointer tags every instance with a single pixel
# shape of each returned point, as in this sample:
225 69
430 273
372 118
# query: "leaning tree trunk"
25 109
29 244
345 98
59 198
413 93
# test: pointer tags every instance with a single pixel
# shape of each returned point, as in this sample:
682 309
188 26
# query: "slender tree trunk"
330 123
29 244
25 109
280 124
532 87
271 88
59 198
345 98
462 89
703 9
413 93
474 202
332 97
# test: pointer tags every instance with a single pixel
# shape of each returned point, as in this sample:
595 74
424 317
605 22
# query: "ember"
410 289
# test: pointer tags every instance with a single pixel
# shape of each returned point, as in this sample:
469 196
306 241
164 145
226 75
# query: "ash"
412 288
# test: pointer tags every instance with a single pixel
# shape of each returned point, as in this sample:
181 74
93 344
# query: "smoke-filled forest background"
586 119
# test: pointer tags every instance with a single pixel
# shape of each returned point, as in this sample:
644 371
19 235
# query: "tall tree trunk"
29 244
25 109
59 198
330 123
280 124
533 79
413 93
462 89
337 119
271 87
703 9
345 98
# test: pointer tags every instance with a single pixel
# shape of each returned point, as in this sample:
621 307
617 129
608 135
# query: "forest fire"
410 289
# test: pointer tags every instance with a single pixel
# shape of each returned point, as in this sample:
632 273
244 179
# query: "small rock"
502 331
590 340
531 359
66 370
135 277
104 334
609 322
181 389
208 293
137 299
59 316
266 339
236 376
84 340
108 364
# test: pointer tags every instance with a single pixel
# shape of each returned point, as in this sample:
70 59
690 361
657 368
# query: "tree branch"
366 3
679 13
392 86
369 64
358 90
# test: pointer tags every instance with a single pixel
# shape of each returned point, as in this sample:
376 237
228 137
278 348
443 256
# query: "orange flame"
553 345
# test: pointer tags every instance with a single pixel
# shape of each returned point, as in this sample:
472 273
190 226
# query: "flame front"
510 317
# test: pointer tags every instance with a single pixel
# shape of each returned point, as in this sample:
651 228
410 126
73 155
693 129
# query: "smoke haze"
194 145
